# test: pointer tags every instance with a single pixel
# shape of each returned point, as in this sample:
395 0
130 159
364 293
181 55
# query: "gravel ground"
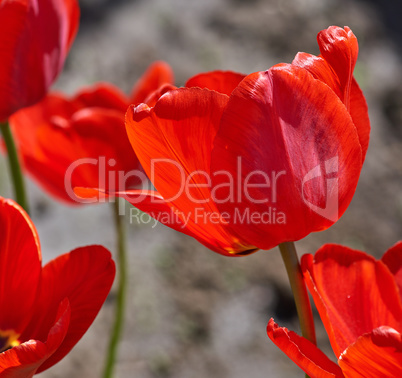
190 312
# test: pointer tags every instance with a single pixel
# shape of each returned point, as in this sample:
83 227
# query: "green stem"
302 301
121 293
15 167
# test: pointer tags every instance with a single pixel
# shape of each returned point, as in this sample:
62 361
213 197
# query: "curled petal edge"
302 352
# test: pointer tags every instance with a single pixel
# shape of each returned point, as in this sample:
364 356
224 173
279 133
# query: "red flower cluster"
82 141
238 162
34 41
44 311
229 148
360 303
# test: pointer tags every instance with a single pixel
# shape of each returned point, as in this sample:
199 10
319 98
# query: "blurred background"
192 313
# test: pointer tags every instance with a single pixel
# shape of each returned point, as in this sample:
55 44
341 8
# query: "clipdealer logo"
331 209
258 187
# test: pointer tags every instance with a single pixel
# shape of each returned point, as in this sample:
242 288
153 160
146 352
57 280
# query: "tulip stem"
15 166
121 293
302 301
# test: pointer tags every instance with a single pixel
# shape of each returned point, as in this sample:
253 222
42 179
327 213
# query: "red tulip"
34 41
45 311
82 141
251 162
297 134
174 141
360 303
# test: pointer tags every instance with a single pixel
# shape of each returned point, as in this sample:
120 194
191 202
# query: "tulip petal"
54 109
102 135
102 95
339 48
163 139
73 16
152 203
163 136
321 70
47 162
24 360
33 50
157 74
359 113
17 12
221 81
393 260
302 352
153 98
376 354
20 266
89 146
282 135
365 298
85 277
